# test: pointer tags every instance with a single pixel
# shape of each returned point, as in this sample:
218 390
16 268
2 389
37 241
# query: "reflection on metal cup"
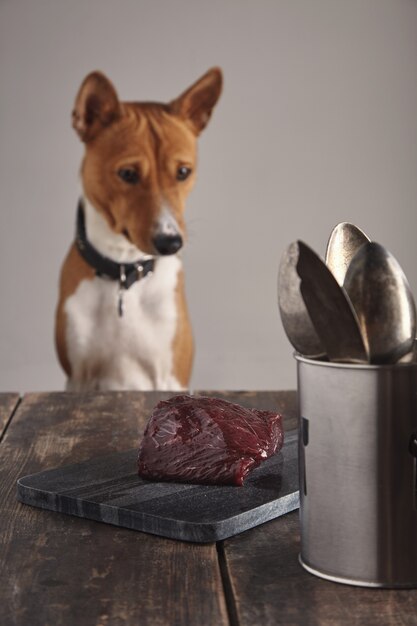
357 462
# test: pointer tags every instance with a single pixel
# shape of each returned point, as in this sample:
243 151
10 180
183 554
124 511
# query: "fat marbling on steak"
207 440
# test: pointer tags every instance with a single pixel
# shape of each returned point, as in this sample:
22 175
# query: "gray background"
317 124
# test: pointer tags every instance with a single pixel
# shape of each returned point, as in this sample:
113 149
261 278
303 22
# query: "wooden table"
62 570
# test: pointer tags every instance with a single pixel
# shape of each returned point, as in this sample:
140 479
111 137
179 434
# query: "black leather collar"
125 273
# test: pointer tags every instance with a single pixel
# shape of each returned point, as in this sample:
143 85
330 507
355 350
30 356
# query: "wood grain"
268 586
8 403
61 570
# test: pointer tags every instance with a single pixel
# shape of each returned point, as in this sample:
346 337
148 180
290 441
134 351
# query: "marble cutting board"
108 489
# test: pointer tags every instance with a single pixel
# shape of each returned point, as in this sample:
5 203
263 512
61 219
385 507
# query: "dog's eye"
183 172
129 175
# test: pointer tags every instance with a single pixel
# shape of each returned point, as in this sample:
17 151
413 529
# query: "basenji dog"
122 320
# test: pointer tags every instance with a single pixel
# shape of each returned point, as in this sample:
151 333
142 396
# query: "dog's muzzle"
166 244
167 238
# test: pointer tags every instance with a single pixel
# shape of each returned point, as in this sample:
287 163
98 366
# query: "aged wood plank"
62 570
270 587
266 585
8 403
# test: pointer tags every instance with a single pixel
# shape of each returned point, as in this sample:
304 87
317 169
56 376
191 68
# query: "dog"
121 320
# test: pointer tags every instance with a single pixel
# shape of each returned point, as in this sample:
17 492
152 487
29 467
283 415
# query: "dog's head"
140 157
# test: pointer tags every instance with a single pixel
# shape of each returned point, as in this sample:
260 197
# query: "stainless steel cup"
357 462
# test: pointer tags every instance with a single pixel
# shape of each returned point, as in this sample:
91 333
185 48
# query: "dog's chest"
133 351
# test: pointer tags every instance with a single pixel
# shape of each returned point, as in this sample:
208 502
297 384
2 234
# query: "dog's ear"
196 104
96 106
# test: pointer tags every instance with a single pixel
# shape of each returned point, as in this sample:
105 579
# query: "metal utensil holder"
357 463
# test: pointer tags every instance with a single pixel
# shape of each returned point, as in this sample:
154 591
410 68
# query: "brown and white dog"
122 320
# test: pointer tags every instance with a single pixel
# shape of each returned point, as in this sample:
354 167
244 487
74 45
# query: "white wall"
317 124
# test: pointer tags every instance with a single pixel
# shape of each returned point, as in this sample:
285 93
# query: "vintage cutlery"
382 298
330 310
294 315
345 240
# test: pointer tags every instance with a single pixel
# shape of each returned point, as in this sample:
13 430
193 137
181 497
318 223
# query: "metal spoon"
382 298
345 240
330 310
294 315
410 357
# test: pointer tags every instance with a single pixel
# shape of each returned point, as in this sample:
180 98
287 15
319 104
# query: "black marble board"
108 489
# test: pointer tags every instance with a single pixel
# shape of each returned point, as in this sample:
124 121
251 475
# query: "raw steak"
207 440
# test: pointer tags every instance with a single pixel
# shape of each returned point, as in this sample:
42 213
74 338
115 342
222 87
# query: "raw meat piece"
207 440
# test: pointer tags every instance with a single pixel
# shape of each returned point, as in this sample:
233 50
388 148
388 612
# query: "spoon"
382 298
294 315
410 357
345 240
330 310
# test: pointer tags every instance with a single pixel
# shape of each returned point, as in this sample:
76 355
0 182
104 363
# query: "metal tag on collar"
141 270
122 289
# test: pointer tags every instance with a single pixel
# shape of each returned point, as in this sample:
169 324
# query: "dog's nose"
167 244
